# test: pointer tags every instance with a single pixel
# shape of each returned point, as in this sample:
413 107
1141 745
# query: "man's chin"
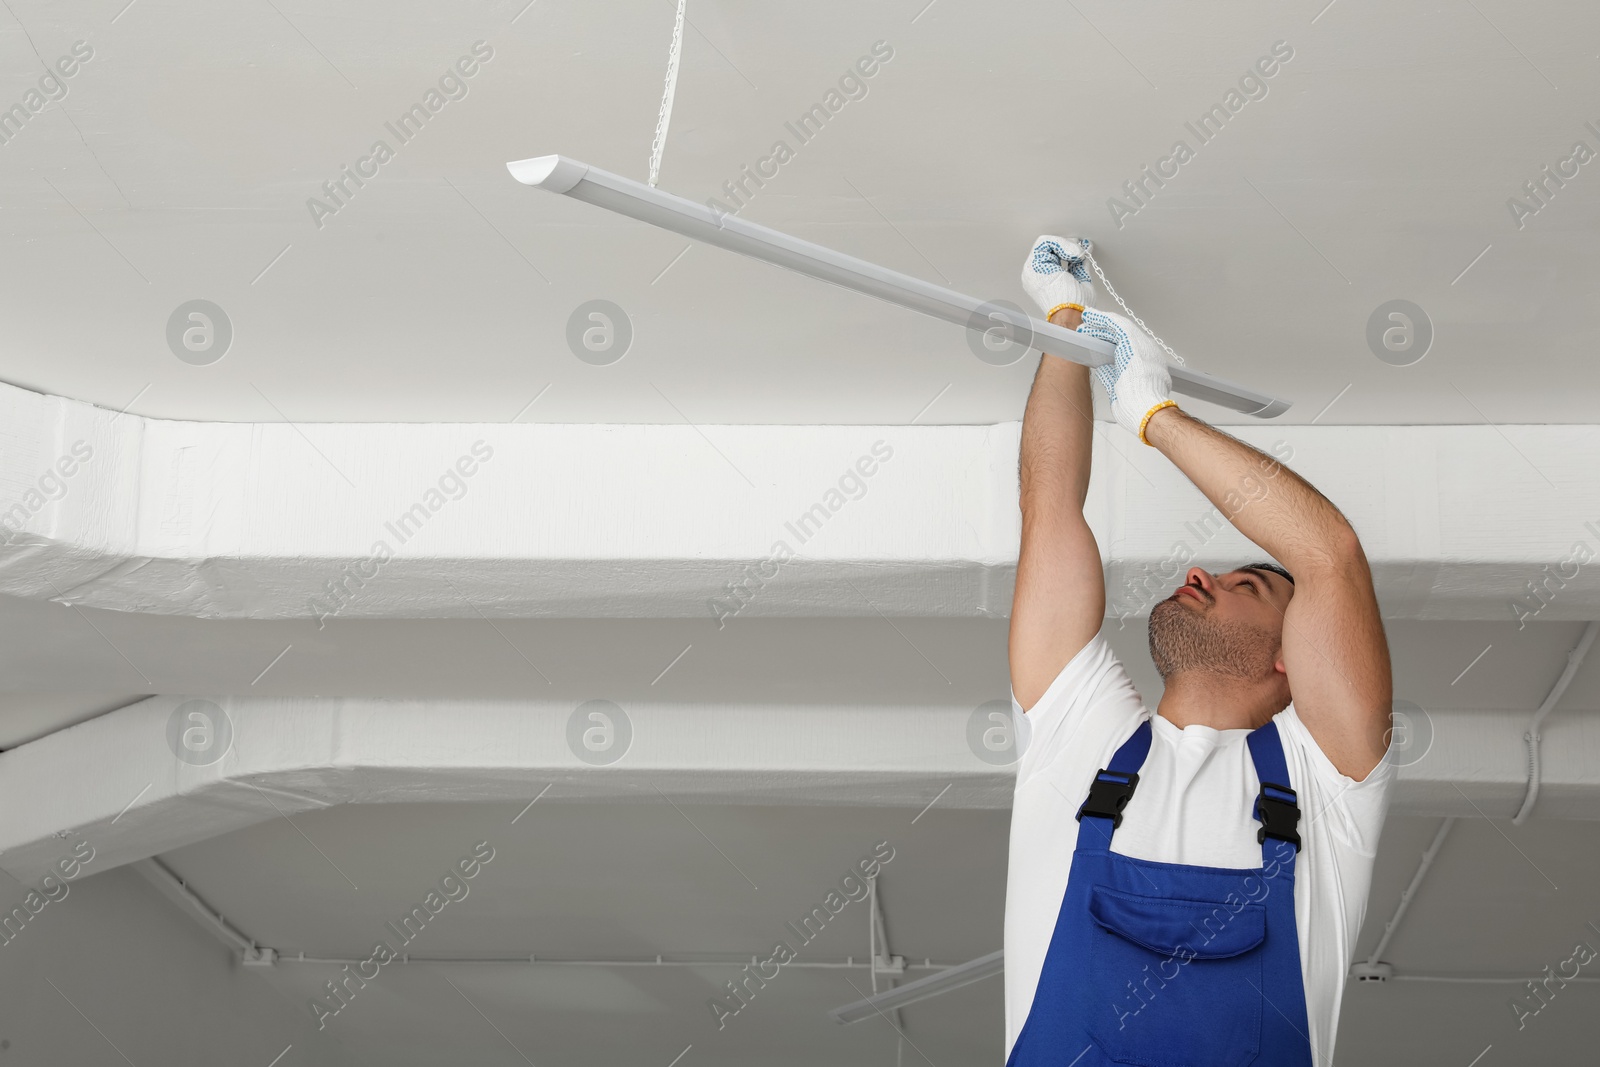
1166 607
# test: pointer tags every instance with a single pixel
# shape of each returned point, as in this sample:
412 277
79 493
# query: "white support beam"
115 782
223 520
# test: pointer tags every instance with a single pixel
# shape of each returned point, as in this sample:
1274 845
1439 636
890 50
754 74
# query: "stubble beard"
1183 639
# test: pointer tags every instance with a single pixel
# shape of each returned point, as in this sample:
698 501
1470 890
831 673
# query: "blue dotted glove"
1138 383
1055 275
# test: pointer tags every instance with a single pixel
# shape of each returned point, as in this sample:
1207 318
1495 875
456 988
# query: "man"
1185 887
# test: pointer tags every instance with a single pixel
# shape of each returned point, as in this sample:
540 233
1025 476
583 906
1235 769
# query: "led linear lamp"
558 174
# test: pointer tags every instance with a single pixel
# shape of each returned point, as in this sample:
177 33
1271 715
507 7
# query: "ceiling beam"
276 521
116 783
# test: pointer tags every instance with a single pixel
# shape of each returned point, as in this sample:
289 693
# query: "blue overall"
1167 965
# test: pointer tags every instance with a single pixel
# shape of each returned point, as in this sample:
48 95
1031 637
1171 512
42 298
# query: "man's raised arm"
1060 598
1334 650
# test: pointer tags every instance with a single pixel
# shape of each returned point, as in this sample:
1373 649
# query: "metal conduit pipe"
1374 970
848 963
156 871
254 954
1574 660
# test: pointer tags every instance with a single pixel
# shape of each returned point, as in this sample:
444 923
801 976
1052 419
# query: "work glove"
1055 276
1137 382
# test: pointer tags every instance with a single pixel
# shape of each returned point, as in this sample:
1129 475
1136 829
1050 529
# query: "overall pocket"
1173 982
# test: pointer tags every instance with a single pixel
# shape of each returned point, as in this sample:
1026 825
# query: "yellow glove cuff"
1147 416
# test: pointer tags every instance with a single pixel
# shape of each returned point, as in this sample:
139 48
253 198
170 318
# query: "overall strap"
1130 757
1113 786
1277 805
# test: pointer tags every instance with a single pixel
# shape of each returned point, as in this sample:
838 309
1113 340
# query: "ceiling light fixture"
558 174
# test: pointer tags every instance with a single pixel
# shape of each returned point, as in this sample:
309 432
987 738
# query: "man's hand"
1137 383
1054 275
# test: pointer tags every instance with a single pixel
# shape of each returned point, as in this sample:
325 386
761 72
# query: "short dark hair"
1273 567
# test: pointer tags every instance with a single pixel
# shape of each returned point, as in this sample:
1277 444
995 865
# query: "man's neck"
1218 701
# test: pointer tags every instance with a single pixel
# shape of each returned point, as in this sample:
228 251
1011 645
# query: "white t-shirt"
1192 806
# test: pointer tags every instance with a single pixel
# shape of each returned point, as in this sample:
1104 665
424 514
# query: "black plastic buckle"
1279 815
1109 795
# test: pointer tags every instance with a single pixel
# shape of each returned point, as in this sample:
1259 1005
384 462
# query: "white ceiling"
588 881
1377 167
582 881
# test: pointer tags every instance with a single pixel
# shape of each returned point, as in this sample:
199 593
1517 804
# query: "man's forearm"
1058 428
1266 501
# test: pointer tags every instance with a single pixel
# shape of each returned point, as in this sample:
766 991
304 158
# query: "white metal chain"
665 116
1123 304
